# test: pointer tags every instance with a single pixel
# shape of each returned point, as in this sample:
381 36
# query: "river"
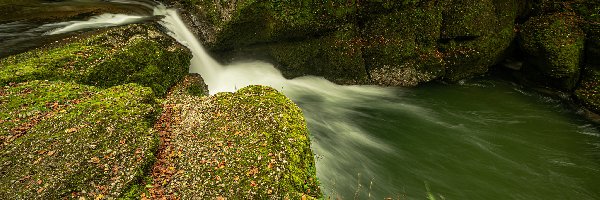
481 139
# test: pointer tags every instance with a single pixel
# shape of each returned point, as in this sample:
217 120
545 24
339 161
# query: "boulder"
251 144
65 140
128 54
554 46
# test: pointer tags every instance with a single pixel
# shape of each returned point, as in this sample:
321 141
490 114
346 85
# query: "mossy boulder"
129 54
251 144
337 57
79 141
400 44
588 91
554 44
475 35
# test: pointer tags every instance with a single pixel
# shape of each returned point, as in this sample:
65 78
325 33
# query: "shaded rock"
129 54
400 43
592 44
475 35
588 90
555 45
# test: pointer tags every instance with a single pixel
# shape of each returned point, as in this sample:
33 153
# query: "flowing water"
483 139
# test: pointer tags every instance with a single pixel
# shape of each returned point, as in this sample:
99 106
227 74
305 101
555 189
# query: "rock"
588 90
251 144
400 45
384 42
82 142
554 44
475 35
128 54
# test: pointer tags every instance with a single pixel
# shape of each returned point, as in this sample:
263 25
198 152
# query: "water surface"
485 139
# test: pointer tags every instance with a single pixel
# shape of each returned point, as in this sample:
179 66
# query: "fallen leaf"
71 130
50 153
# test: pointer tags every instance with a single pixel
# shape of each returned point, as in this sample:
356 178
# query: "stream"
486 138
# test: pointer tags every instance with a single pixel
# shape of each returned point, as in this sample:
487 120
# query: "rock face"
76 117
555 45
385 42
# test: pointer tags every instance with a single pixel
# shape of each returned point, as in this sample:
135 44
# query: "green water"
485 139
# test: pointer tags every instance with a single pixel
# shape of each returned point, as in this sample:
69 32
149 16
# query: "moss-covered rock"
252 144
400 45
24 105
88 142
337 57
396 43
129 54
555 45
588 91
475 35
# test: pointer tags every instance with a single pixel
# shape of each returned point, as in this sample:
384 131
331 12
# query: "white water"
104 20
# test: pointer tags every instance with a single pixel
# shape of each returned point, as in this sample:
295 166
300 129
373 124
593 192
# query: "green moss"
401 45
468 18
250 22
588 91
337 57
129 54
475 36
23 105
252 144
555 44
195 90
93 148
